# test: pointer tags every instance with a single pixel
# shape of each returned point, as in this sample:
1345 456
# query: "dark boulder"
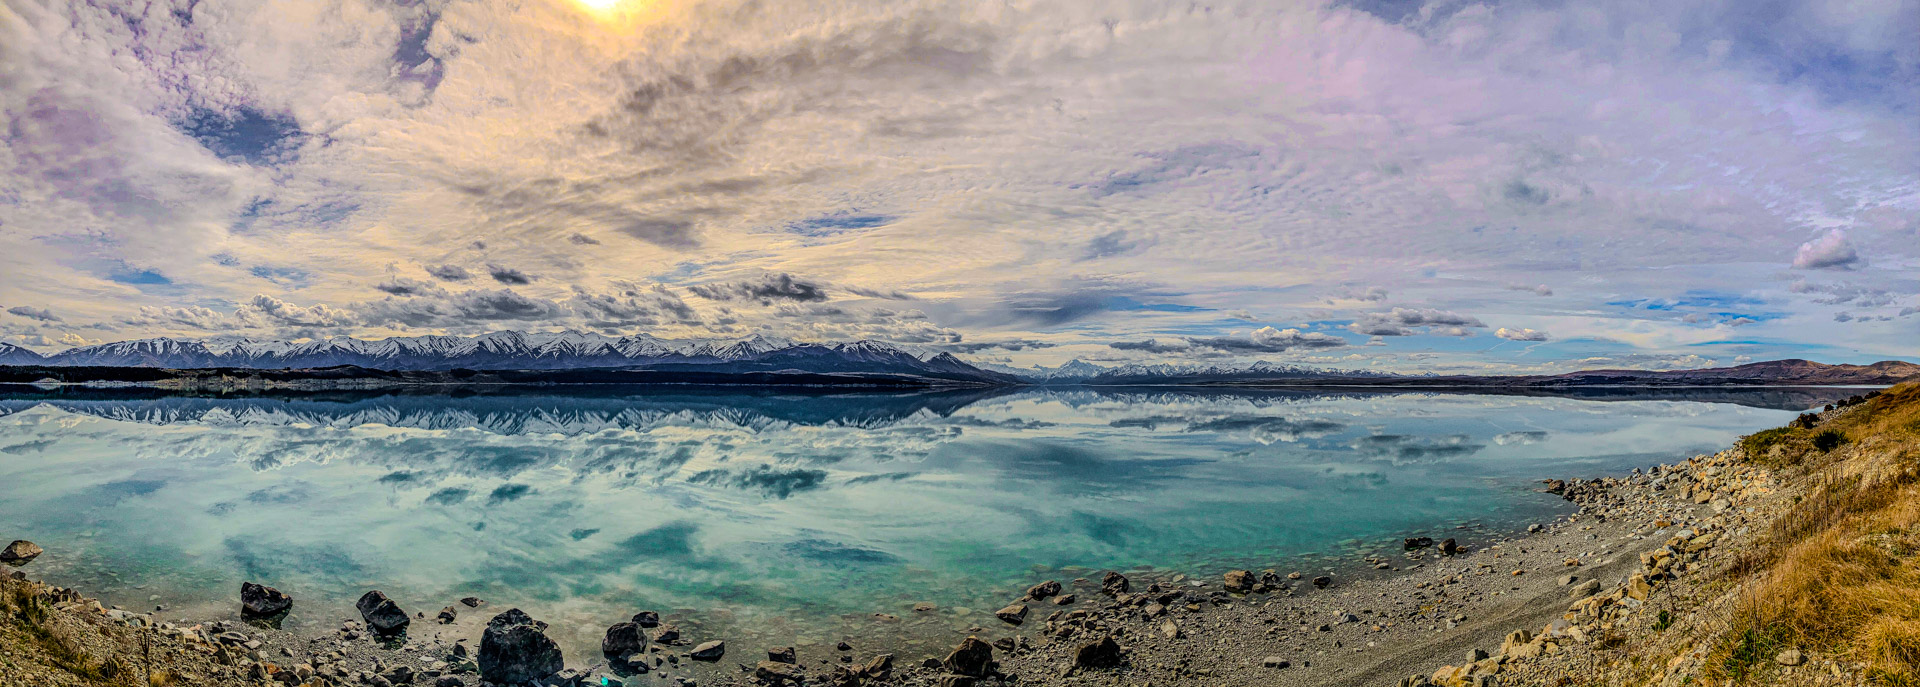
782 654
972 658
514 649
1114 584
1240 581
447 616
1322 582
878 668
1043 590
779 673
1013 615
258 600
647 619
1103 653
623 639
472 602
383 616
708 651
1449 546
20 552
1412 543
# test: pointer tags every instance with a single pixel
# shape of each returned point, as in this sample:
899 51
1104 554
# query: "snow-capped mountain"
508 350
15 355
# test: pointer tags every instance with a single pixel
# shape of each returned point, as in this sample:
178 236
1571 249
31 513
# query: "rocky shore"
1558 604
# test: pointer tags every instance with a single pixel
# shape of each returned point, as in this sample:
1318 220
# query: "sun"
601 6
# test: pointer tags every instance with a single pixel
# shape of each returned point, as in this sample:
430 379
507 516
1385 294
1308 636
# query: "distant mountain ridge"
515 351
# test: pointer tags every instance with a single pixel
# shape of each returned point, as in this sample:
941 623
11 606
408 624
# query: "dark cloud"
1009 345
449 272
583 240
41 314
1262 340
402 286
509 276
1522 193
456 309
1402 322
766 289
631 305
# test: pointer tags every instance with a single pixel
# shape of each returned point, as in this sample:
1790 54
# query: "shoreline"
1417 622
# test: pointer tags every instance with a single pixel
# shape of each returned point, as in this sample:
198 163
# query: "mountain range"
577 357
684 359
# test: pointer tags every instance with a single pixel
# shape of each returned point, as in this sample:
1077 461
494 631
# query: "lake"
784 515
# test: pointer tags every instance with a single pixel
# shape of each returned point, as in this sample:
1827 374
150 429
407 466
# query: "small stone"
1275 662
923 607
1565 580
1790 657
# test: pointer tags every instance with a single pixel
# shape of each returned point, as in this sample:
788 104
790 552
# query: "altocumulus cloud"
1520 334
1262 340
1404 321
32 313
766 289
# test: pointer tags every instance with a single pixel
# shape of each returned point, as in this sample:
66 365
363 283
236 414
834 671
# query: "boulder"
1102 653
383 616
472 602
258 600
1584 589
782 654
514 649
779 673
878 668
1114 584
20 552
447 616
1013 615
709 651
647 619
1322 581
623 639
971 658
1240 581
1043 590
1449 547
1411 543
666 634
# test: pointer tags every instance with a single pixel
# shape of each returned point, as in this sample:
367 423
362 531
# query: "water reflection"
776 510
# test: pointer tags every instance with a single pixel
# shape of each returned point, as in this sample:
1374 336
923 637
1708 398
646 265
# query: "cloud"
582 240
1403 322
32 313
1262 340
1520 334
766 289
402 286
509 276
1830 251
1537 290
449 272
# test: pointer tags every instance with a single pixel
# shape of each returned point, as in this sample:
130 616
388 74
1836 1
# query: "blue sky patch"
839 223
256 137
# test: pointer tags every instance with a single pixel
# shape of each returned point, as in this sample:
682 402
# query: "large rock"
623 639
20 552
709 651
383 616
971 658
1040 592
259 600
1240 581
647 619
514 649
779 673
1114 584
1102 653
1013 615
879 668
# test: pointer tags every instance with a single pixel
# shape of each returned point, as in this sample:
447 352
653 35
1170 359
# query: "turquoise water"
791 514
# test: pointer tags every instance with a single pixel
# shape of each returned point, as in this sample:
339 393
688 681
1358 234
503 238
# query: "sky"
1446 186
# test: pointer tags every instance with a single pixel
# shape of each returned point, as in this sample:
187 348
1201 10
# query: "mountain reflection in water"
776 511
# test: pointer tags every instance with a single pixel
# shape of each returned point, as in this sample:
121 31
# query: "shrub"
1828 440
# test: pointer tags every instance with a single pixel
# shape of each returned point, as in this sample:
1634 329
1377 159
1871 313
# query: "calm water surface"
784 515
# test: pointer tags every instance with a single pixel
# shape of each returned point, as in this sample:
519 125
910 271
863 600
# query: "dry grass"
31 618
1839 574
